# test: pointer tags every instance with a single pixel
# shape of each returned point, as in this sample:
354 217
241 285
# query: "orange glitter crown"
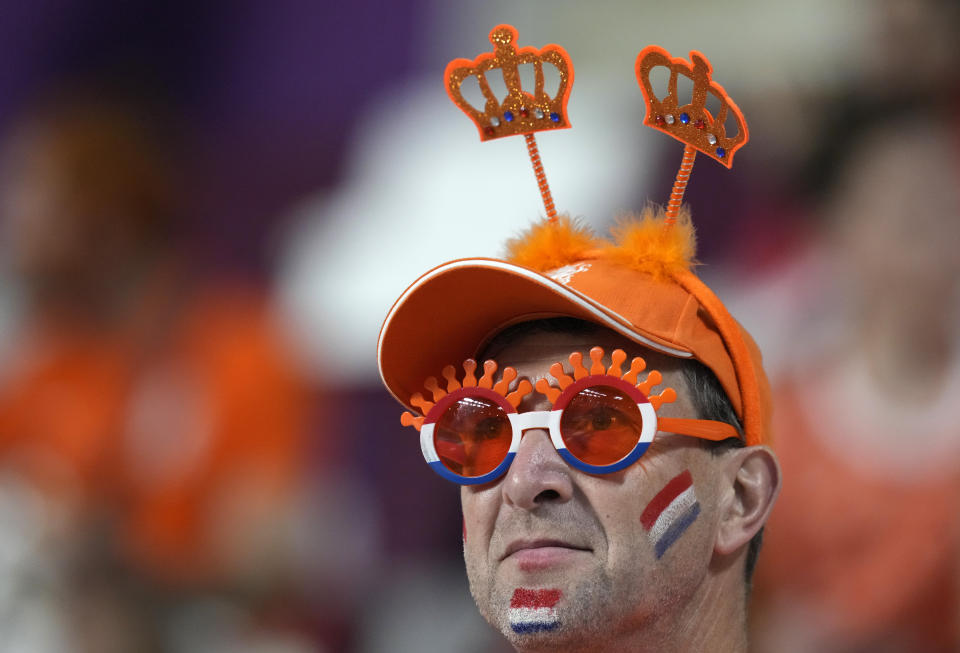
691 123
520 112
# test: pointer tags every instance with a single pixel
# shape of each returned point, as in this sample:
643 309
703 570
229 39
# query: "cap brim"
450 312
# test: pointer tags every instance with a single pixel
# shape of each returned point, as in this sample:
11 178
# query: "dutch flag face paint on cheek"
671 513
534 611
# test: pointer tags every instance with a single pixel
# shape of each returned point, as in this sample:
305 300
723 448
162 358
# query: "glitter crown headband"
523 112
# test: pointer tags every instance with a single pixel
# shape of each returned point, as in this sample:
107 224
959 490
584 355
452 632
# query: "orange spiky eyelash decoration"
617 358
543 386
501 387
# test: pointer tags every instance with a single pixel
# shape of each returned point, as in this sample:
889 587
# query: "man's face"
556 555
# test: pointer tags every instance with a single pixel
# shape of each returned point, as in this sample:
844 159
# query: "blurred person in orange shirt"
138 401
863 553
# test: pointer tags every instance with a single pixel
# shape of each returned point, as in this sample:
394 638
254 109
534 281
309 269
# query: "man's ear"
753 475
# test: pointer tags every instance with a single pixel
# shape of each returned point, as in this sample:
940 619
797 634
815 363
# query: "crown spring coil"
541 176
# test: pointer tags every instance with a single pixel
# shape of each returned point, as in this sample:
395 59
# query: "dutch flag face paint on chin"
534 611
670 513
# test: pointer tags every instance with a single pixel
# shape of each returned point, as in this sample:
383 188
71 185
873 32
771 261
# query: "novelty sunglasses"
602 419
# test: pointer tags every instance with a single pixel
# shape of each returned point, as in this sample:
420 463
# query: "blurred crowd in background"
206 209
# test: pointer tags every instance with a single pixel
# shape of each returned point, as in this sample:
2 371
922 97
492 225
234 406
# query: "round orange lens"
472 436
601 425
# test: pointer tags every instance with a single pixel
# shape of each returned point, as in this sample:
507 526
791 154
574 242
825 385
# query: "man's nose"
537 474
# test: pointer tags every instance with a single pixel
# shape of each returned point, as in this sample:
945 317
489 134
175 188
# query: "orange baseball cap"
451 311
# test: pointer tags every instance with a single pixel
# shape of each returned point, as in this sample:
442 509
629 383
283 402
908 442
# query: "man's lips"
533 545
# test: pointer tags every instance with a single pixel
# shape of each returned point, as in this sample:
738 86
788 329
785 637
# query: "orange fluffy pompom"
647 244
548 245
